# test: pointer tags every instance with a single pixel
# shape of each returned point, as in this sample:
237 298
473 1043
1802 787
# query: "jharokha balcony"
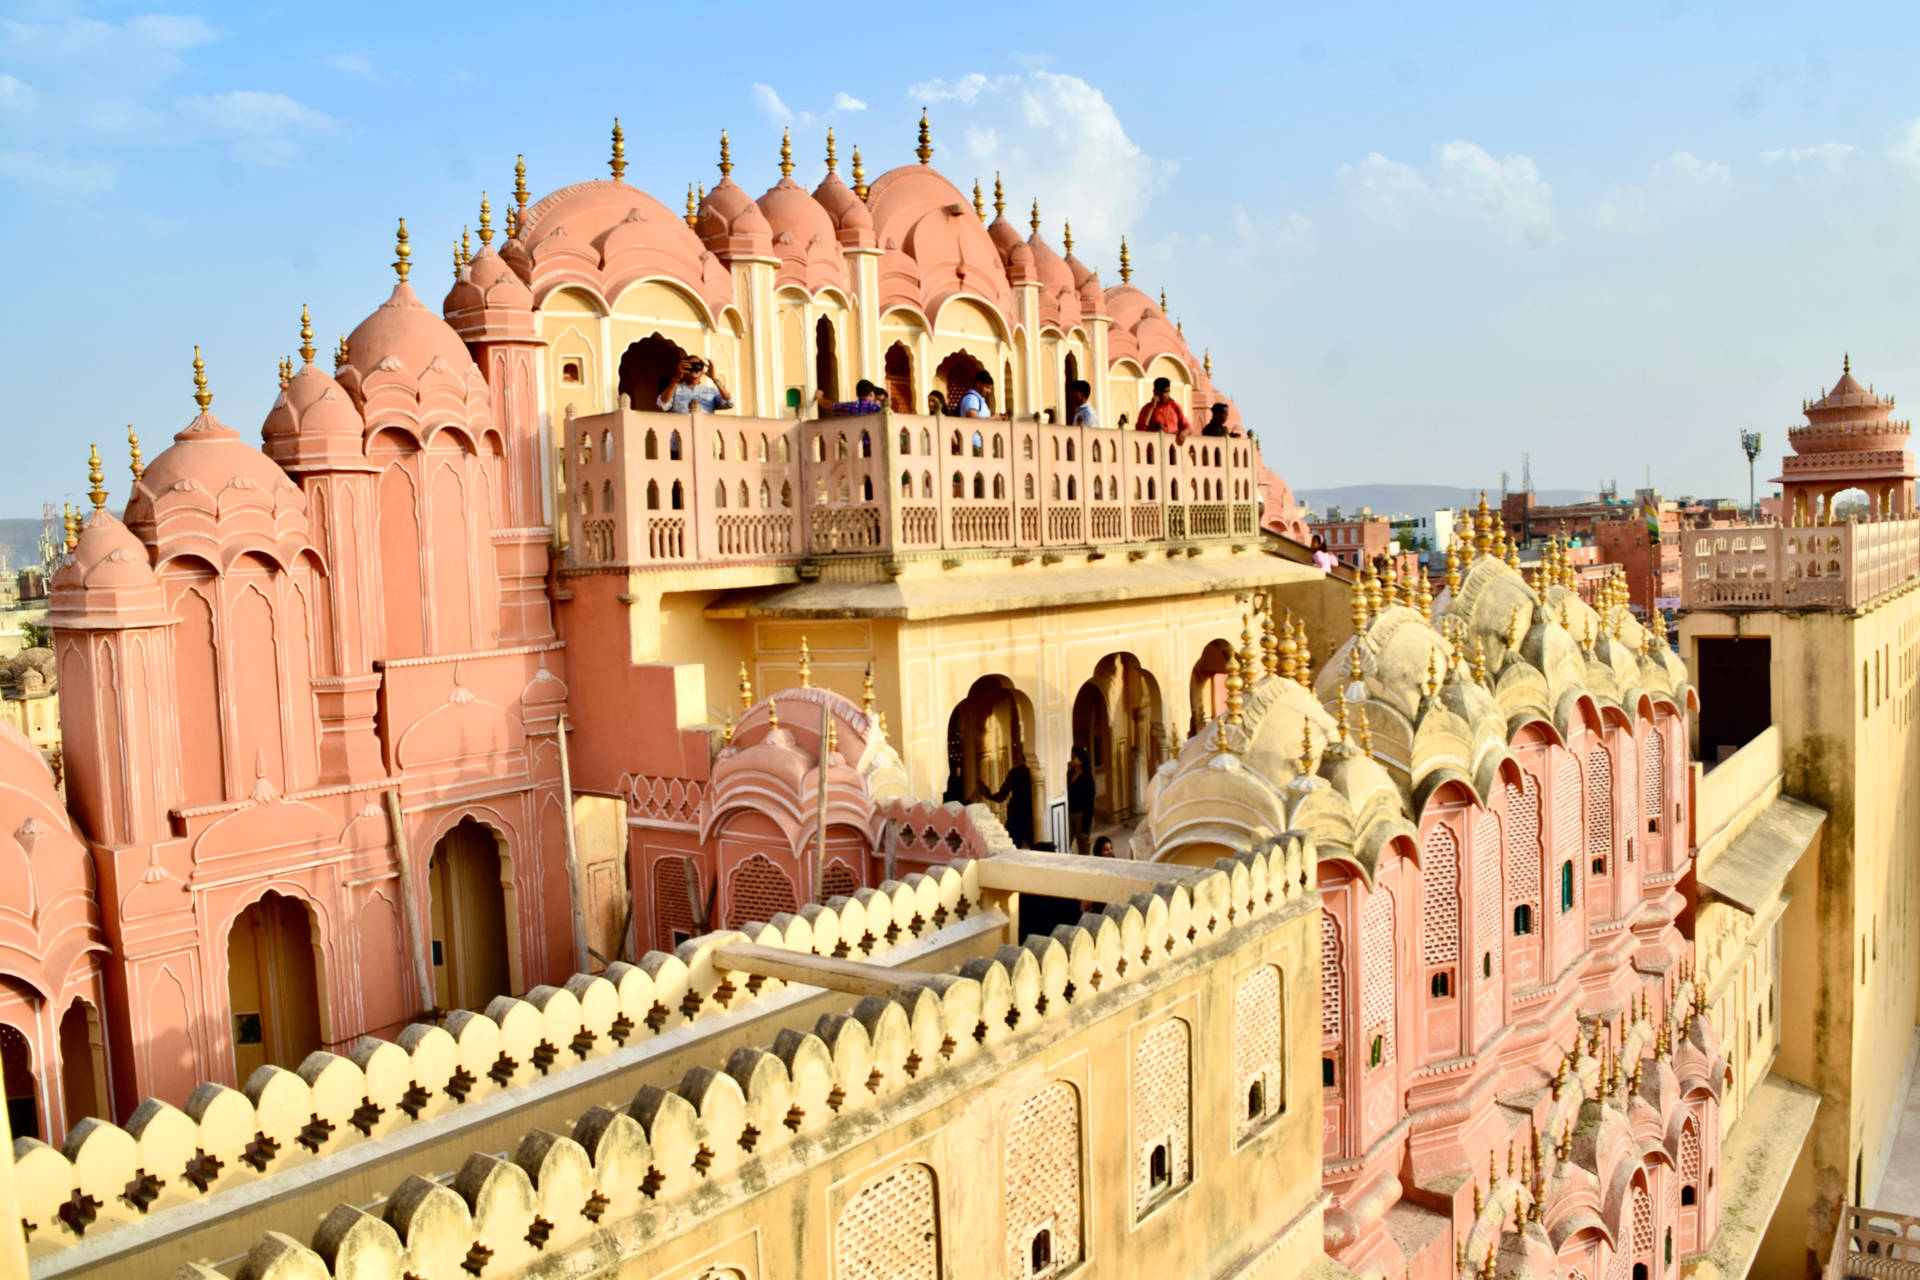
658 488
1838 566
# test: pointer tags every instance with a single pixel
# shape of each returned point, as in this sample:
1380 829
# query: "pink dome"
1059 295
108 579
804 238
922 216
1004 234
1149 332
731 224
313 422
49 912
607 235
489 301
851 219
403 330
1847 419
212 495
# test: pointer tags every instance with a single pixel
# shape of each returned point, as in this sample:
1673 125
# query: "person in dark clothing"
1103 847
956 792
1017 791
1080 796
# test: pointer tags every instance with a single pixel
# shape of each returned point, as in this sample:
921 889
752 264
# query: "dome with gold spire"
313 423
805 239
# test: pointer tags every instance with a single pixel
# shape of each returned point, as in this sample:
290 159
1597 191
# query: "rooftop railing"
657 488
1841 566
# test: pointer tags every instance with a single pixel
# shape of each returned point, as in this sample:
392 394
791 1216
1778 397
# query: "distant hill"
1392 499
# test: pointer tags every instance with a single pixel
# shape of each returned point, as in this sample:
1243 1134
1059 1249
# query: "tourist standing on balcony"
1322 558
1163 413
868 401
1017 792
1217 421
1079 412
974 404
1080 797
686 393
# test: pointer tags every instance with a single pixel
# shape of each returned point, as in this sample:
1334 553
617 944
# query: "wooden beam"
854 977
1071 875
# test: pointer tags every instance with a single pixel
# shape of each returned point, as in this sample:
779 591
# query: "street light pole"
1750 445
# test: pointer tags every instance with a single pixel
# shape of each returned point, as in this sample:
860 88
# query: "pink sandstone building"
417 780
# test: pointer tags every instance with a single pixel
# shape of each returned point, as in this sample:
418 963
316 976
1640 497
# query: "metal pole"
578 889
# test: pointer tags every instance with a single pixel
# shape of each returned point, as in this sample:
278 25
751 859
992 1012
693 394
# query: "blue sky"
1419 241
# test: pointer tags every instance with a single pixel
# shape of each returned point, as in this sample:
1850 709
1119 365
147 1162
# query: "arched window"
673 447
651 448
1073 494
786 494
1150 496
999 450
1026 448
744 500
1149 451
846 495
1173 489
1566 886
1095 448
1688 1195
720 445
786 450
586 449
866 489
926 441
1069 448
1042 1250
840 448
653 495
999 486
678 496
954 445
1056 448
1256 1099
1158 1174
979 445
1097 489
979 485
719 491
586 500
1056 488
906 484
740 439
906 443
1027 488
606 495
1136 488
959 485
1441 984
926 485
1376 1051
819 448
763 447
1522 920
766 495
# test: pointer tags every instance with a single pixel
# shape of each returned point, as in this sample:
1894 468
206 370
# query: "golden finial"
700 192
1365 731
486 222
1285 651
1453 566
880 724
773 714
1560 1078
286 372
1306 744
1249 664
925 149
1510 1164
786 153
1493 1169
1206 362
401 253
1479 1202
306 335
1513 554
726 734
513 223
1482 520
833 735
1233 699
340 354
746 688
1846 362
1163 302
1034 220
859 176
1357 602
466 245
1432 685
1302 656
726 156
806 665
133 449
999 197
201 396
693 210
1340 716
866 692
1479 660
1126 263
520 181
1180 326
1066 236
833 160
1489 1268
72 526
1422 593
979 202
95 477
1371 576
619 162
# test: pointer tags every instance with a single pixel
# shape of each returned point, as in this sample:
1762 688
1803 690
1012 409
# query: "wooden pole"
578 889
410 903
820 822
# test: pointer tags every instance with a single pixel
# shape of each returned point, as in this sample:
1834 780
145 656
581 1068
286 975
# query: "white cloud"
56 176
15 95
1053 137
768 103
847 102
1906 147
1686 169
1462 180
1680 184
354 64
266 127
1829 154
143 49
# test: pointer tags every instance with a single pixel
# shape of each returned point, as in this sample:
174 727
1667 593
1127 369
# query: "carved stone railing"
1872 1244
1799 567
658 488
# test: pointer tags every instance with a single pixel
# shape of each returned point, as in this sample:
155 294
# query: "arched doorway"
955 375
988 736
16 1072
467 896
273 987
1851 504
899 364
1207 691
83 1063
646 368
1117 724
826 360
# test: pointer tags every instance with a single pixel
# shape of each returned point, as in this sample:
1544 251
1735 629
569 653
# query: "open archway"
988 734
1207 690
826 359
1117 726
83 1063
646 368
16 1073
467 895
954 375
273 985
899 370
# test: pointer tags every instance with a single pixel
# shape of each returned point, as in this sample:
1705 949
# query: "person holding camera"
688 393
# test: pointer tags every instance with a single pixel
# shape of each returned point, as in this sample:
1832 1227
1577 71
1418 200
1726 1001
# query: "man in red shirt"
1163 414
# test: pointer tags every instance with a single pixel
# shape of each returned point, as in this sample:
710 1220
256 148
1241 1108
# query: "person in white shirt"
1079 412
686 393
974 404
1322 558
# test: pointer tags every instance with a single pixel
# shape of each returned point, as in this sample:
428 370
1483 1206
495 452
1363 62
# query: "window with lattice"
1259 1049
1600 810
1376 977
1523 846
1440 903
1486 894
1331 986
1689 1163
1162 1114
757 890
1043 1181
890 1229
838 881
1566 828
672 910
1653 778
1642 1225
